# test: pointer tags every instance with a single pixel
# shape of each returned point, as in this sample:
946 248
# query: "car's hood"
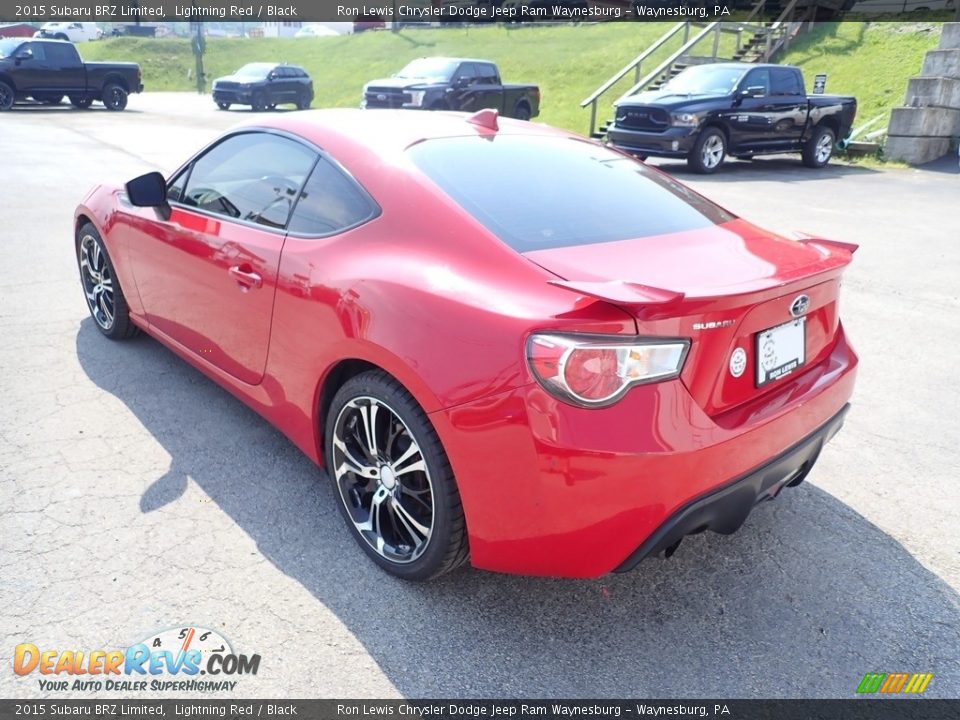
670 100
242 79
402 83
729 259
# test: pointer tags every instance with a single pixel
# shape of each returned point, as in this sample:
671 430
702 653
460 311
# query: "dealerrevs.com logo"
184 659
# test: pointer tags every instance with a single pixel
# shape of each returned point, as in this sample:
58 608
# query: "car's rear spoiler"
626 294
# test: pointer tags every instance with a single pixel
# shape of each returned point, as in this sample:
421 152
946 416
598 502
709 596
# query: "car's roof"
456 59
390 130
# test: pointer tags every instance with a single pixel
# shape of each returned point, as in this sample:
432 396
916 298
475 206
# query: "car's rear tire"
7 97
708 151
818 149
223 105
392 479
81 102
114 97
522 111
101 288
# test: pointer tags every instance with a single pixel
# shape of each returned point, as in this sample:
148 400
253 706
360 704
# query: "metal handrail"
662 67
632 64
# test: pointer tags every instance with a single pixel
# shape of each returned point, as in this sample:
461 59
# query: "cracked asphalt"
135 495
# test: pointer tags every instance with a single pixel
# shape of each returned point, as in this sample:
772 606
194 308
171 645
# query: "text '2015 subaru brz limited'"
504 342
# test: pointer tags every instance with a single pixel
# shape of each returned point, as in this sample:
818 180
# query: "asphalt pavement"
135 495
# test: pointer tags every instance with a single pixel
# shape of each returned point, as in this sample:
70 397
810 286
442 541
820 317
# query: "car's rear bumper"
672 142
724 511
552 489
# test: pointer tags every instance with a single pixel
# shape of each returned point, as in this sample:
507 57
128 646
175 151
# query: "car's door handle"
245 277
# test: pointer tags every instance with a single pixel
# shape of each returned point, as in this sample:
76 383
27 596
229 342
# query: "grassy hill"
568 62
870 60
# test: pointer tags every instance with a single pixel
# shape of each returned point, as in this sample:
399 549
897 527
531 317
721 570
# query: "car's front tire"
259 102
392 479
708 151
114 97
105 299
223 105
303 101
78 101
7 97
818 150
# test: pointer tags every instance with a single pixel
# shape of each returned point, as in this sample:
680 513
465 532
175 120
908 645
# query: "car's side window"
487 73
330 202
785 82
467 72
758 81
254 177
35 50
59 55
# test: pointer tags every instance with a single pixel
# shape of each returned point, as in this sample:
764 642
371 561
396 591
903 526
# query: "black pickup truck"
710 111
439 83
46 70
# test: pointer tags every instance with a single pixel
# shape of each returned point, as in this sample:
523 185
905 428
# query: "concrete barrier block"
915 150
950 36
935 91
925 121
942 63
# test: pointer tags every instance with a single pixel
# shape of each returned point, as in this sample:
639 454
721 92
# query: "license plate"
781 350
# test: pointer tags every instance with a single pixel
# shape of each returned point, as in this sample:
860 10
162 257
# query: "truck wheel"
708 152
81 102
114 97
818 150
522 111
7 96
259 103
223 106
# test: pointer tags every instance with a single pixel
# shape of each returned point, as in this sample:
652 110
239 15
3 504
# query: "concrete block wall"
923 129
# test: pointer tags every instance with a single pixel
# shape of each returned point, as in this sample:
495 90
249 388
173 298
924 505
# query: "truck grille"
226 86
651 119
385 97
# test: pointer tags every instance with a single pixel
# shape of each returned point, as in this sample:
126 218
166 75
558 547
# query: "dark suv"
263 86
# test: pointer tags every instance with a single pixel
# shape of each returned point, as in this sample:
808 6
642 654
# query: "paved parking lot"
136 496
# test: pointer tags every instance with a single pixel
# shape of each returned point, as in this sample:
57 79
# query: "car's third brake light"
594 371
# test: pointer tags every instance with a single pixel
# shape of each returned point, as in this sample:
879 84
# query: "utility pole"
199 44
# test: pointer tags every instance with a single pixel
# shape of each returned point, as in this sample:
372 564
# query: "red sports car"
505 343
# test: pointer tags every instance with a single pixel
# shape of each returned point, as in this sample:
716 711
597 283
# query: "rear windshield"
536 193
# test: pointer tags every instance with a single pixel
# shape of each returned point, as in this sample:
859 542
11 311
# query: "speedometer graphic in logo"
191 639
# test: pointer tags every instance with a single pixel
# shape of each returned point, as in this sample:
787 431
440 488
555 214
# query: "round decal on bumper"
738 362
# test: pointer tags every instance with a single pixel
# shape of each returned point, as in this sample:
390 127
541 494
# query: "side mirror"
149 190
754 91
272 76
23 55
461 82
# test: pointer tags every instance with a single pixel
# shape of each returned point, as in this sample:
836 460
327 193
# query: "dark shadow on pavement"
802 602
782 168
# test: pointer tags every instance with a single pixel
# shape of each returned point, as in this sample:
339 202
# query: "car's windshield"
255 70
8 47
706 80
429 69
536 193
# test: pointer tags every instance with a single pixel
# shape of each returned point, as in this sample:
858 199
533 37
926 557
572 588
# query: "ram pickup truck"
708 112
47 70
439 83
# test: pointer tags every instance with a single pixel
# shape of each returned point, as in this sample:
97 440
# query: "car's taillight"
594 371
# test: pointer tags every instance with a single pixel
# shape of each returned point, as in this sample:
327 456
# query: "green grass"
872 61
568 62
